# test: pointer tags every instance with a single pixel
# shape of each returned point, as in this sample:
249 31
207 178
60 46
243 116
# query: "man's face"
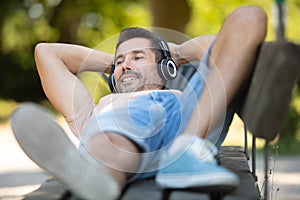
136 67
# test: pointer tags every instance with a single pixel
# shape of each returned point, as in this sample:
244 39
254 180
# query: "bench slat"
188 195
147 189
51 189
235 159
269 95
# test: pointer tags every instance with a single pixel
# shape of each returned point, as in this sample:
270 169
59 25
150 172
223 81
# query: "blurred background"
24 23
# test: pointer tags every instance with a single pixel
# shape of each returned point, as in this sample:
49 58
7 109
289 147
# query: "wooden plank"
231 149
147 189
49 190
247 189
269 95
188 195
235 159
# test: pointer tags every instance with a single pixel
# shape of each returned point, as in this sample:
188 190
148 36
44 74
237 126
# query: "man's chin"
129 89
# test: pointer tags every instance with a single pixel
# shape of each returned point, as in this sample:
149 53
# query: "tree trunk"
170 14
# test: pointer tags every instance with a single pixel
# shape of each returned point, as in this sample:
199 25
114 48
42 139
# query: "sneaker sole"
46 143
216 180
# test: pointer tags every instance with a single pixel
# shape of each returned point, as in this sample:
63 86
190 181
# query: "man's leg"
46 143
232 59
117 153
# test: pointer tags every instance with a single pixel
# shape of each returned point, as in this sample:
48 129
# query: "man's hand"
191 50
175 54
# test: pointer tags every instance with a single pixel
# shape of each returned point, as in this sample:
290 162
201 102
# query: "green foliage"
292 20
208 16
6 108
290 134
96 85
27 22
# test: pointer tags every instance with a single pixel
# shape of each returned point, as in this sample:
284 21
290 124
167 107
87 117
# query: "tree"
172 15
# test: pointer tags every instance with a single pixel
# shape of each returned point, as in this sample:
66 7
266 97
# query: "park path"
19 175
284 180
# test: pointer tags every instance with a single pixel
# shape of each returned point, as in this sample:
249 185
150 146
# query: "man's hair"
136 32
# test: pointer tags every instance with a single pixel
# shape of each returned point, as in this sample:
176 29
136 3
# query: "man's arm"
191 50
58 65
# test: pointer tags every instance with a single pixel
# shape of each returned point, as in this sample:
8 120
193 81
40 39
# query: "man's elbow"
44 53
40 50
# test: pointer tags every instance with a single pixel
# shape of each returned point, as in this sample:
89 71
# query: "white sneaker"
45 142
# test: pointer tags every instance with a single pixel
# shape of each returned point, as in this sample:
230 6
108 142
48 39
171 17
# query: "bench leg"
266 189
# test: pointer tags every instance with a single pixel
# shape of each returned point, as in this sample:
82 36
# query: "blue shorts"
154 120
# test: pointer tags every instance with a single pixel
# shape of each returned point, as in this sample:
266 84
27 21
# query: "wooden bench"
264 109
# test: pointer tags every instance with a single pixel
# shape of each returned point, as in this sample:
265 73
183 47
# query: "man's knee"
251 20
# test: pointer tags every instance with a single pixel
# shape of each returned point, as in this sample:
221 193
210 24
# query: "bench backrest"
269 95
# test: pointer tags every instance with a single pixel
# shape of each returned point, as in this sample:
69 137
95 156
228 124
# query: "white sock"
181 142
203 148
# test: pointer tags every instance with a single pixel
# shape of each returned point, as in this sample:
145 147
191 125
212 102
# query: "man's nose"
126 65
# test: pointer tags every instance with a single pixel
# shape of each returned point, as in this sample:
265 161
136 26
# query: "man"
140 130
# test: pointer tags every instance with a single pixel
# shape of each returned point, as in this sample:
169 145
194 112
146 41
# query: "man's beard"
123 88
141 83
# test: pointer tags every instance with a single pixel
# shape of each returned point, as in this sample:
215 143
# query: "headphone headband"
163 45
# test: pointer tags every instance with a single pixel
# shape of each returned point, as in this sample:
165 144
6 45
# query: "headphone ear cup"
167 69
112 83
